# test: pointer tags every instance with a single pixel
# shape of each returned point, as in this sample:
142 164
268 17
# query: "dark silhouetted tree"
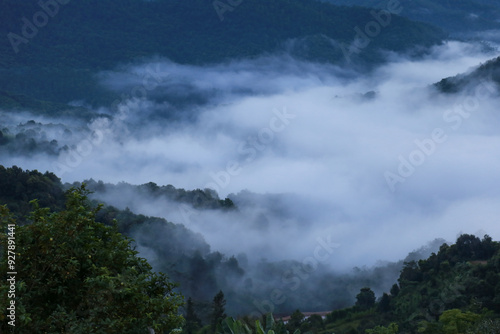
192 321
385 303
394 290
218 310
296 320
365 298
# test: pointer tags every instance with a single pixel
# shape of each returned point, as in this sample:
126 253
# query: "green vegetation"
365 299
231 326
79 276
455 290
200 199
60 62
486 74
218 310
31 138
193 323
19 187
181 253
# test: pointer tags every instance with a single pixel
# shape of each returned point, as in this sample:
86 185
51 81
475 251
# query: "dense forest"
221 166
457 285
186 32
487 72
186 257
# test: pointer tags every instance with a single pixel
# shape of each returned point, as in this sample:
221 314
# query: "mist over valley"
257 157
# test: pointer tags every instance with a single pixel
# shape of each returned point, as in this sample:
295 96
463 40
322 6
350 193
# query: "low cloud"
309 145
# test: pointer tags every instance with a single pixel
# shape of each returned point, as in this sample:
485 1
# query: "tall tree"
218 310
385 303
394 290
296 320
365 298
192 320
80 276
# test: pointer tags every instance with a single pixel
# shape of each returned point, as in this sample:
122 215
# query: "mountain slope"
187 258
461 281
95 33
456 17
488 72
57 60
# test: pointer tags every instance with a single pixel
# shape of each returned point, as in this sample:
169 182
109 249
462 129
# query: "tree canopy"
80 276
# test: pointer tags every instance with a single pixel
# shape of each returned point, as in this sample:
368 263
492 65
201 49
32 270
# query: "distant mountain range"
459 18
51 50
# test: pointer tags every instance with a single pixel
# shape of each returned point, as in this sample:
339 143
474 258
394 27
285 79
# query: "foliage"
455 321
218 310
80 276
86 37
452 321
295 321
197 199
192 323
231 326
391 329
394 290
463 276
487 326
182 254
384 304
453 291
365 298
489 71
18 187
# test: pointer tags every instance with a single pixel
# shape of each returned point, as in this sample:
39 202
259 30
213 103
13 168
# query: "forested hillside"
454 291
77 275
459 18
58 61
188 260
249 166
487 73
179 251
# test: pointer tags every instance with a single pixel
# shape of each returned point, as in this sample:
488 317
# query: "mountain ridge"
60 58
459 18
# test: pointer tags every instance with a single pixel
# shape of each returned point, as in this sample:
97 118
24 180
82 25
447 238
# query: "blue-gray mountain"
459 18
50 50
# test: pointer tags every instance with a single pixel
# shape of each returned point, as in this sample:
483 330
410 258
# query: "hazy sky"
380 164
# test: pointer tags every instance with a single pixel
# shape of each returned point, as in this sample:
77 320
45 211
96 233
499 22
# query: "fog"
374 165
